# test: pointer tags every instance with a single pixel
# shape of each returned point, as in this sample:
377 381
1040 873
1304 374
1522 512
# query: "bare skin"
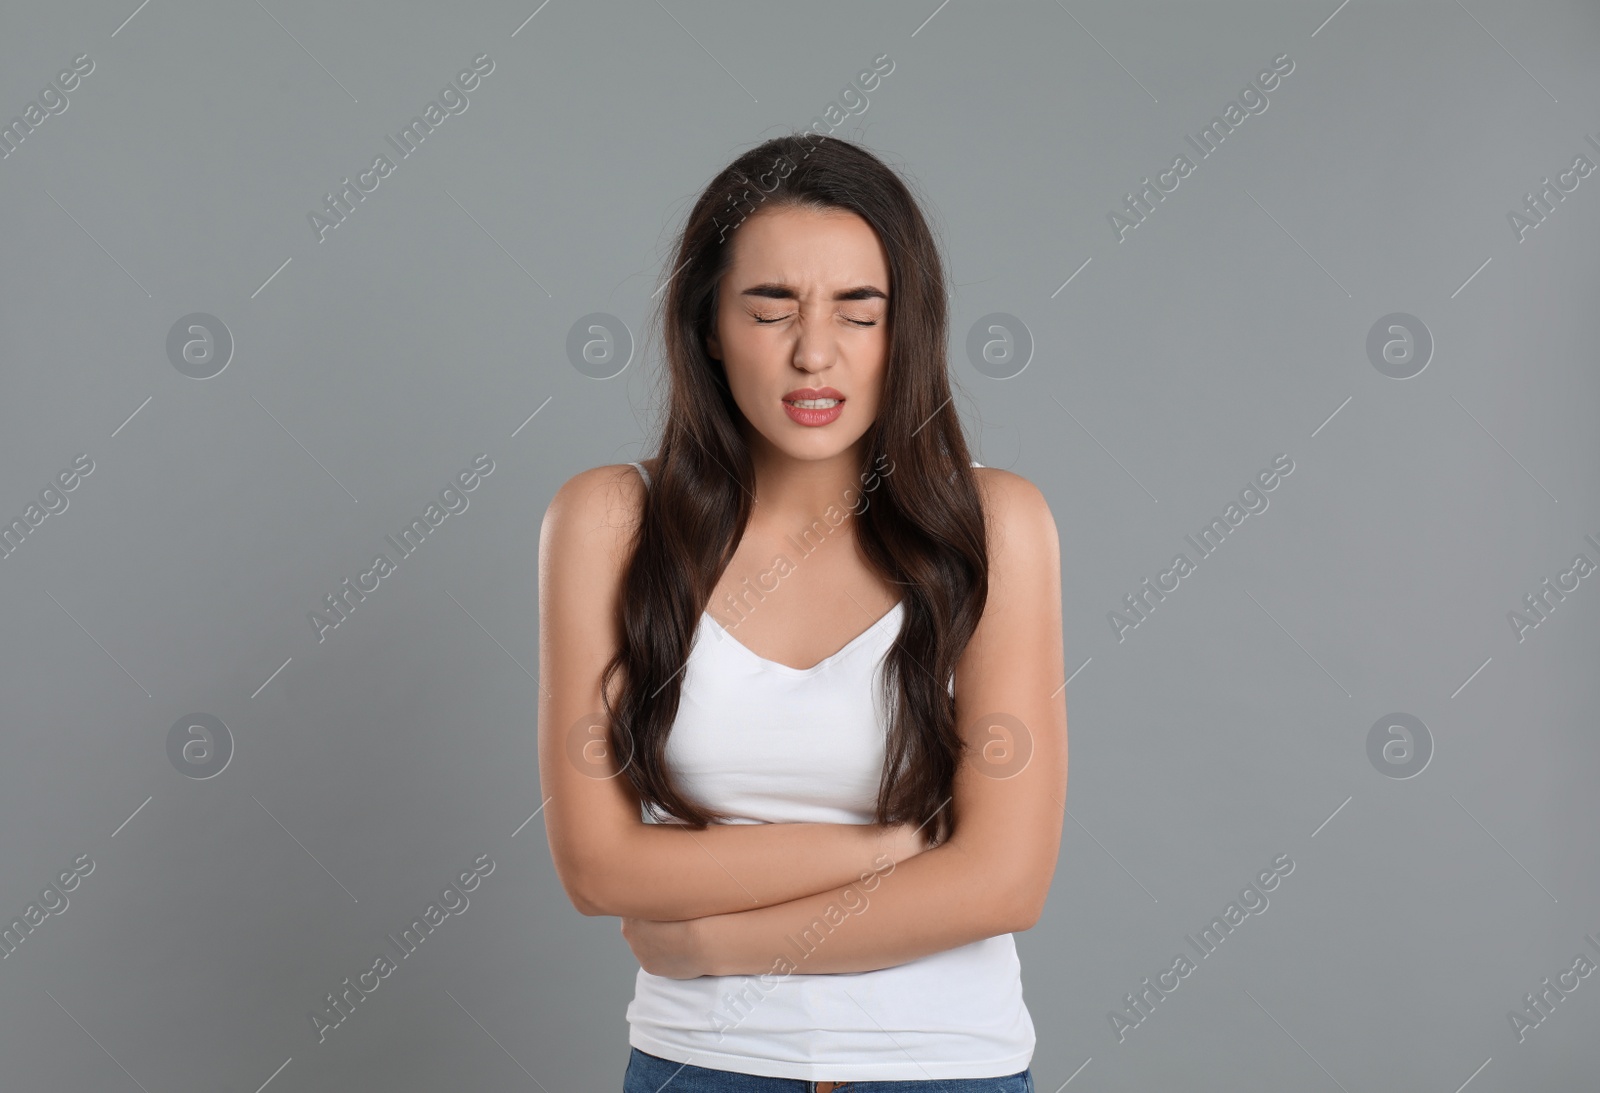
721 901
779 328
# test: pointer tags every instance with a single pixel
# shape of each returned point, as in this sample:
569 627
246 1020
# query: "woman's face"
804 308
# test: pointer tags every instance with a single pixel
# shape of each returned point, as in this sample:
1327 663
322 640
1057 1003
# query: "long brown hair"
923 530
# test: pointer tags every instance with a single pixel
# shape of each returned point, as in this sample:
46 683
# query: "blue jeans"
652 1074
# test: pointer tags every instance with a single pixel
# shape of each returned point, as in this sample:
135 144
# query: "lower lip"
813 417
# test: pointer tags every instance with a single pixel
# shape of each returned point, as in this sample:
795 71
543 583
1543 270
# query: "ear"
714 346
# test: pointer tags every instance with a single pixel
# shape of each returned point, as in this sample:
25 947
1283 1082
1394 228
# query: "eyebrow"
775 290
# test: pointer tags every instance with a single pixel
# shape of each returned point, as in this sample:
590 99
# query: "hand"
674 950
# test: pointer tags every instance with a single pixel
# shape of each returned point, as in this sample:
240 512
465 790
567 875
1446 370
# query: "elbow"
595 899
599 877
581 892
1025 905
1017 888
1025 914
583 904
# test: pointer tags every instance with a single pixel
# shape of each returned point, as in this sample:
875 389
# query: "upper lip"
812 392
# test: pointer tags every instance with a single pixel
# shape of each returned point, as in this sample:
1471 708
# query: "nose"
814 348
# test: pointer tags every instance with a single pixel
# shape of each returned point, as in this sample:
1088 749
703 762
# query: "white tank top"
769 743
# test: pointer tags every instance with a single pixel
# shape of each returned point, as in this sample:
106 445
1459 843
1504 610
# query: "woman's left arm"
993 874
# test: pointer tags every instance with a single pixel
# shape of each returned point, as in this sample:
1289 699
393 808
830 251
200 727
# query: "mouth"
812 407
814 398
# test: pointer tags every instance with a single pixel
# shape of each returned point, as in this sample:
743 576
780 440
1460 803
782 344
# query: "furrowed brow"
774 290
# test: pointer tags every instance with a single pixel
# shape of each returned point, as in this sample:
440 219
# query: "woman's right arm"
609 860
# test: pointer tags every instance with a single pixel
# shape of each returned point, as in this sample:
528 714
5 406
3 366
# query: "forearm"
669 872
940 899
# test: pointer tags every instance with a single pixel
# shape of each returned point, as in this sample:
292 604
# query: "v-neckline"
789 669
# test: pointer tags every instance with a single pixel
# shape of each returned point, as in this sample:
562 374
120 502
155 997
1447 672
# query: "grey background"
1228 728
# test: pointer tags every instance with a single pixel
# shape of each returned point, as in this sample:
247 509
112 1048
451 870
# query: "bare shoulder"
591 521
1021 525
608 496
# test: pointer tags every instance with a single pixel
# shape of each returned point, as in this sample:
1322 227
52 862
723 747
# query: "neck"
793 493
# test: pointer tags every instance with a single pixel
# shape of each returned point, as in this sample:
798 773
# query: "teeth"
815 403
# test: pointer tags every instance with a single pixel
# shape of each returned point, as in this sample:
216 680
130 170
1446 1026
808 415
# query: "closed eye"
779 319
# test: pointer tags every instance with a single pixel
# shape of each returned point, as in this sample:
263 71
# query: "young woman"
802 721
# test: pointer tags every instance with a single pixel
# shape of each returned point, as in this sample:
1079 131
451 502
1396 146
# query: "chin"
816 445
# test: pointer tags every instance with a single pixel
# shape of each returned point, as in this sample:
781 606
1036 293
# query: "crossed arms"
726 899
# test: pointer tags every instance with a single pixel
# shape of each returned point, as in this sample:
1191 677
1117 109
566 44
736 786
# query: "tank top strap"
975 463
